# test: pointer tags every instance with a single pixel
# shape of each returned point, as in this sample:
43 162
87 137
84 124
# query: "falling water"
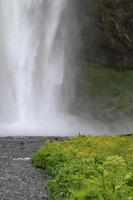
32 61
30 69
35 50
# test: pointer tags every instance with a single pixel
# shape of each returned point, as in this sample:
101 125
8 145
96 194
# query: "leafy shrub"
88 168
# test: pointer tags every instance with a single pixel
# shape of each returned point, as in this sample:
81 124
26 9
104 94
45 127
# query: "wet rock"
106 29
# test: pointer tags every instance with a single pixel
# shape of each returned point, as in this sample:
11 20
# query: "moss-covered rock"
105 94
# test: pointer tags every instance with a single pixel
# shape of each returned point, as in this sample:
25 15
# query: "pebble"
19 180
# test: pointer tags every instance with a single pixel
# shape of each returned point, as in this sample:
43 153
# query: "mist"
40 52
38 49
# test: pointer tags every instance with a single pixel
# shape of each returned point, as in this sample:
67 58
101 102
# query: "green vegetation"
105 93
88 168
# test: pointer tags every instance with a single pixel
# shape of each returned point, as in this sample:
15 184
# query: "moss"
105 93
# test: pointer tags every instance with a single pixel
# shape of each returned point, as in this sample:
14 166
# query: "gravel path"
18 179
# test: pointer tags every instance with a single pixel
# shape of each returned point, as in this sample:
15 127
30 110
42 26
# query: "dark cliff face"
106 29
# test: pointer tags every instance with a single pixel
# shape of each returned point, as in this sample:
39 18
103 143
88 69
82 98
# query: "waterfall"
32 60
37 45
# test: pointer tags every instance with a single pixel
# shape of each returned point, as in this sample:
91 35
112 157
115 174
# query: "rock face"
106 29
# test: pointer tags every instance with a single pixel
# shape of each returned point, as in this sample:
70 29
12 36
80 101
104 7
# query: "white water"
29 52
33 62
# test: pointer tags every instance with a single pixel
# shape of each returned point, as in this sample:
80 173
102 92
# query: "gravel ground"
18 179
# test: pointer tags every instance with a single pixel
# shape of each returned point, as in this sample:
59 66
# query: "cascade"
34 60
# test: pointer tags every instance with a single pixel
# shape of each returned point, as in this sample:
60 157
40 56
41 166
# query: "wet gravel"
18 179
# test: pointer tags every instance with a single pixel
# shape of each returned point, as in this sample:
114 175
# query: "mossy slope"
104 93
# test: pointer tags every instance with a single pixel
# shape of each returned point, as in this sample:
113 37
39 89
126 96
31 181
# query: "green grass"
88 168
104 93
